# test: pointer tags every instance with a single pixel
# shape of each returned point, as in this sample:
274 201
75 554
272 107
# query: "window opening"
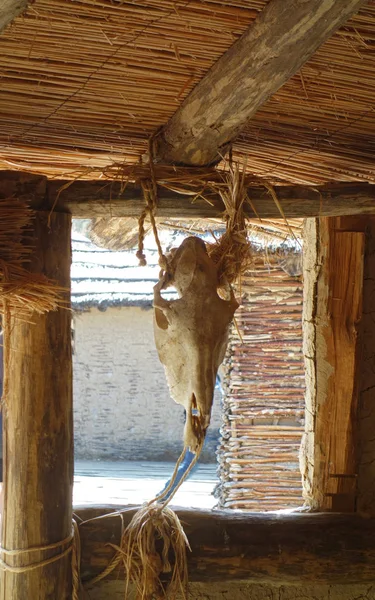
123 410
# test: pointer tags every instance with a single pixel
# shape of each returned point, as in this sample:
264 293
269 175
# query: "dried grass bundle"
21 292
231 253
230 182
154 544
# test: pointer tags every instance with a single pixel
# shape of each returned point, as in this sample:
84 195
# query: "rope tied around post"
71 544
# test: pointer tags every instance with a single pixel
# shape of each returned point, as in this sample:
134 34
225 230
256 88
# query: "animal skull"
191 333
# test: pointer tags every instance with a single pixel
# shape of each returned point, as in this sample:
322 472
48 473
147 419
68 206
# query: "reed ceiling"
85 83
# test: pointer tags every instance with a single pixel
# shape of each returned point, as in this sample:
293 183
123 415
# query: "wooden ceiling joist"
273 49
90 199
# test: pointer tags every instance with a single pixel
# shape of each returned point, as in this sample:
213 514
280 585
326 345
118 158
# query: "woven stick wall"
263 396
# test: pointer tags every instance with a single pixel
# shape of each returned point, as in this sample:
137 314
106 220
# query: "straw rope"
150 193
73 542
74 547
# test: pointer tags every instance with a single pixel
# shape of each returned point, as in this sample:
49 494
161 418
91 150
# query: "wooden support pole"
333 282
38 431
264 548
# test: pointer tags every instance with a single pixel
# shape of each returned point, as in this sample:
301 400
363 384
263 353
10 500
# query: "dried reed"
21 291
84 85
154 544
231 252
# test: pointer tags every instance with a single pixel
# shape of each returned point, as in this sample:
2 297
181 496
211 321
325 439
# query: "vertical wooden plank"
366 417
334 256
38 431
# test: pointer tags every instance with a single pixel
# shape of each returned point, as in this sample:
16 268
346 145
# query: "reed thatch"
263 403
85 84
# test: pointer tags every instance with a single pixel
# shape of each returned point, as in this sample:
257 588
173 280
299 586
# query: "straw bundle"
145 563
85 84
263 403
231 253
21 292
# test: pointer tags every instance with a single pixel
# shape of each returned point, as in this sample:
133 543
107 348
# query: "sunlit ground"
136 482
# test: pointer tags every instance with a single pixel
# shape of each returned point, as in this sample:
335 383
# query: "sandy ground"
136 482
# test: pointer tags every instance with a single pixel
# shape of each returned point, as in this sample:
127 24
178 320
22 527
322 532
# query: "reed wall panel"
263 412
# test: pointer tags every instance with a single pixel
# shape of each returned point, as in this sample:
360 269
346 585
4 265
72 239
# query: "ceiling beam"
283 37
87 199
90 199
9 10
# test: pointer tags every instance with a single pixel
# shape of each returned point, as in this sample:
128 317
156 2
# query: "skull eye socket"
161 319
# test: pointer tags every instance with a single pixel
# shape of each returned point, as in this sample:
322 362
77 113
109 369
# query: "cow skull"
191 333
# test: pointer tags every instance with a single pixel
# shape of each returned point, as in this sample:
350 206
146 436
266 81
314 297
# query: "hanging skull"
191 333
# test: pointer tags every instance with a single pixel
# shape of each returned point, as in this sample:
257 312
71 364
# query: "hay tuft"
154 544
21 291
232 252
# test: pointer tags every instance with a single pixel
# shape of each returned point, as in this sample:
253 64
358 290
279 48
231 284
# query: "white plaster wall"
122 406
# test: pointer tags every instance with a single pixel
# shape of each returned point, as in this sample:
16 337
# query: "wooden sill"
257 547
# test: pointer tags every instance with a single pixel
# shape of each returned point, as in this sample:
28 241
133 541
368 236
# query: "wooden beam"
225 546
283 37
333 282
88 199
93 199
38 431
9 10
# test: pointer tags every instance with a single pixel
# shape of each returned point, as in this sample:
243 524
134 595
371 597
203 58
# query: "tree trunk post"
38 431
333 285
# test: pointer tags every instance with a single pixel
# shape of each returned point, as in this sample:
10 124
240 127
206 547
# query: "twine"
150 194
73 539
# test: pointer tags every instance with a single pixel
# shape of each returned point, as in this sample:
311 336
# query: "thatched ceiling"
85 83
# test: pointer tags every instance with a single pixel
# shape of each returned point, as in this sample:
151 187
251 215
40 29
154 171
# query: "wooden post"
38 431
333 282
366 416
